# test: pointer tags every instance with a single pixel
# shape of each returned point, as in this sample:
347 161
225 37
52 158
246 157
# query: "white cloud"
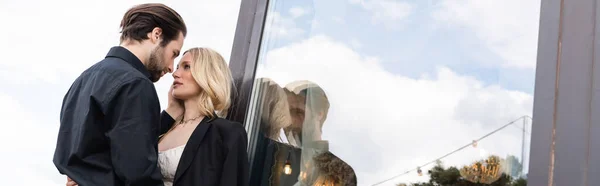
281 27
386 12
355 44
27 145
49 43
508 28
397 122
338 20
297 12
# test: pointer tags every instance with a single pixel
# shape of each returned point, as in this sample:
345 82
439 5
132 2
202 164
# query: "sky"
408 81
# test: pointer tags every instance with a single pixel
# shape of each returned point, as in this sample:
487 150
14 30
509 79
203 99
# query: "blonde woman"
202 148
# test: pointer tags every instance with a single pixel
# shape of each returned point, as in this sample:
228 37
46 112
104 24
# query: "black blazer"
215 154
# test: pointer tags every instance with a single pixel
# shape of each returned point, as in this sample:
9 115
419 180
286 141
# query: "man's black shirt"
109 125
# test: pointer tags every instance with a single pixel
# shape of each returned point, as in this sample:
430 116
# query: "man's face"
305 121
297 106
162 58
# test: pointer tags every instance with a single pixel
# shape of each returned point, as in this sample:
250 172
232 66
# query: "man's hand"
70 182
175 106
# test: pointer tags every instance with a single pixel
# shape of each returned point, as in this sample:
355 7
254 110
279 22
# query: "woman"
201 148
271 152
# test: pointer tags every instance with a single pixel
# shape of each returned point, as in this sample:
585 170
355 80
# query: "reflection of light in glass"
487 171
287 168
323 180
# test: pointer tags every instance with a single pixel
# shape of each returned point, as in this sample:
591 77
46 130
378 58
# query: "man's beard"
155 63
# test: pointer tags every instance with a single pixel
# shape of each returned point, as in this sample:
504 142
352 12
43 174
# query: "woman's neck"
191 109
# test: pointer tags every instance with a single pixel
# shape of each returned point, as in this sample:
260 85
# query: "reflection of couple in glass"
292 151
112 131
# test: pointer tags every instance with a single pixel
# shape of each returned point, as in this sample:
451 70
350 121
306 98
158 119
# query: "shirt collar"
127 56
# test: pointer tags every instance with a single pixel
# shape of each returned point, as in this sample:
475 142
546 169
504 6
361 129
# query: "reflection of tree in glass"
451 176
486 171
333 170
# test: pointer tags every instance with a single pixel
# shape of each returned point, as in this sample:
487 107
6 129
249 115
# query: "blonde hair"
275 111
212 74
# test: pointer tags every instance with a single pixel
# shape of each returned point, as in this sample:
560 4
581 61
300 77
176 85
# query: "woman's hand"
175 106
70 182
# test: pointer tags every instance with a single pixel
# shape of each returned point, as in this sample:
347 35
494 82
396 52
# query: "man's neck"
137 50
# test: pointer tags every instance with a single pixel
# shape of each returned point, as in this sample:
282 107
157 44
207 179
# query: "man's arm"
166 121
174 110
134 113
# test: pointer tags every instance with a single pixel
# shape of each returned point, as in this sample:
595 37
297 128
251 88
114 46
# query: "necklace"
188 120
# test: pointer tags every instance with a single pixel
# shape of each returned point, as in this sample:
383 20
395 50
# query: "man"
309 107
110 117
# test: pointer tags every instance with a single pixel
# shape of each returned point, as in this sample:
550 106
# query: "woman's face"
184 85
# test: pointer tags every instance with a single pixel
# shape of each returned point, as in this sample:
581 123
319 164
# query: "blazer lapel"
191 148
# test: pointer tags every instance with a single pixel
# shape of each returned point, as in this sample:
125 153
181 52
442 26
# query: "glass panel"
381 92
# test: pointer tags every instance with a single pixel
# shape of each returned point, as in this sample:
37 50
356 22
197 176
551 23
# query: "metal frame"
244 58
566 95
572 108
544 94
594 141
567 88
244 54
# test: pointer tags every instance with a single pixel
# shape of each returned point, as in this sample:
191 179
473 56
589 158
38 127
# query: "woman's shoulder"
228 128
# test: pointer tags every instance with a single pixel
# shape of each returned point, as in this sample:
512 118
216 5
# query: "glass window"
382 92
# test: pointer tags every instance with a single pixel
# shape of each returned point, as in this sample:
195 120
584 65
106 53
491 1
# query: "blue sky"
412 46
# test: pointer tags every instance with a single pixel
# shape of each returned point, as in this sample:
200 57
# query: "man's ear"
156 35
321 116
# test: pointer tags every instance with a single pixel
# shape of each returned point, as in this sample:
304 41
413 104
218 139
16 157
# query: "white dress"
168 161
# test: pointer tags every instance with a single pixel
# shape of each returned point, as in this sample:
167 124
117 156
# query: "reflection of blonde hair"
212 74
275 108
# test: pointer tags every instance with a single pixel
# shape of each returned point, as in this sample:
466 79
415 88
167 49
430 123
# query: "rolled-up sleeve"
135 115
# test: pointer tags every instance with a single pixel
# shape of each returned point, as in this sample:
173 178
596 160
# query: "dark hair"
142 19
315 97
